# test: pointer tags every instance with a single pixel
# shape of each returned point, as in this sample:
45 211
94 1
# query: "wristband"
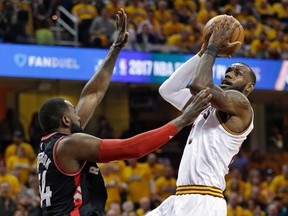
212 50
116 46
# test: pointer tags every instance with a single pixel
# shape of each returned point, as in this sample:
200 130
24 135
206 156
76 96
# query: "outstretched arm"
79 146
95 89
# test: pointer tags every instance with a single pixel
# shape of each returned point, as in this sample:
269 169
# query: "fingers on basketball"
237 35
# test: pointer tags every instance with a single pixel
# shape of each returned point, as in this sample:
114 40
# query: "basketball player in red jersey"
69 178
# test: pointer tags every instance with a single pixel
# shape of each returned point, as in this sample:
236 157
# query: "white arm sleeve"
174 90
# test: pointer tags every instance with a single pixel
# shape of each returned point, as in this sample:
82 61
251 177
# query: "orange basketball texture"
237 35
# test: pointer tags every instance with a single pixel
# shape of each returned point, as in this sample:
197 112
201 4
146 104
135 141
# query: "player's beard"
239 88
76 128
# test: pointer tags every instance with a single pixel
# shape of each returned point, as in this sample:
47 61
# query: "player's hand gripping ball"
237 35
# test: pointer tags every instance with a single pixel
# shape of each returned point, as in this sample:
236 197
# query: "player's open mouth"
225 83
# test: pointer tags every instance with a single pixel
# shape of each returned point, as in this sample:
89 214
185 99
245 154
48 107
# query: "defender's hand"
122 34
200 102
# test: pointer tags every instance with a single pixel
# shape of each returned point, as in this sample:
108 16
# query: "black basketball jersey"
80 193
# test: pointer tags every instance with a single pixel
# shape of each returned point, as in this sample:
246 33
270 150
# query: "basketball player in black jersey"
69 178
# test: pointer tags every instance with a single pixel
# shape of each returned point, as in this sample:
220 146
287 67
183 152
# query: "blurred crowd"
257 184
155 26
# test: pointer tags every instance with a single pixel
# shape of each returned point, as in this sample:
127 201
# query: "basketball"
237 35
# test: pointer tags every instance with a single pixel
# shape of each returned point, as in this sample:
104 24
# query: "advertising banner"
68 63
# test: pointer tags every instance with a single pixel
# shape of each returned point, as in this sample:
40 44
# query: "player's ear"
249 87
66 121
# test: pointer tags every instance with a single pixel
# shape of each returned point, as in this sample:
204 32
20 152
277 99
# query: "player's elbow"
163 92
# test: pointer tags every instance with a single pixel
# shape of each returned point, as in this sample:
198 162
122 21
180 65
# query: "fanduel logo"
52 62
20 59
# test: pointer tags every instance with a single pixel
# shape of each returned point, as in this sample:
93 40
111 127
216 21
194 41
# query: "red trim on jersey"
57 164
47 136
77 197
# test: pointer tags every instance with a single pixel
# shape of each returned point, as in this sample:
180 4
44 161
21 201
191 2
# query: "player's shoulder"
238 97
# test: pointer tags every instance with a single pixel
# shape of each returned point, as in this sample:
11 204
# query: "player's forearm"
99 83
174 89
139 145
203 76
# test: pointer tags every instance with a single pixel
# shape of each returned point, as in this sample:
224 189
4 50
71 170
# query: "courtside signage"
67 63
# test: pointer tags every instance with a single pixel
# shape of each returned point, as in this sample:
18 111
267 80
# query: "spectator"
240 162
154 25
265 9
8 125
235 184
13 181
136 11
19 164
162 13
166 184
265 185
257 196
118 169
174 26
232 8
24 17
281 11
43 34
156 168
146 39
6 22
206 12
84 13
112 183
234 207
111 212
7 205
112 7
19 140
181 42
101 30
145 206
105 130
254 208
275 140
25 204
195 29
138 176
259 46
33 191
40 12
185 9
116 207
279 185
272 209
128 207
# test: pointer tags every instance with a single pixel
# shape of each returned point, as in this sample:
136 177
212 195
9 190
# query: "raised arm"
95 89
230 101
174 90
78 147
